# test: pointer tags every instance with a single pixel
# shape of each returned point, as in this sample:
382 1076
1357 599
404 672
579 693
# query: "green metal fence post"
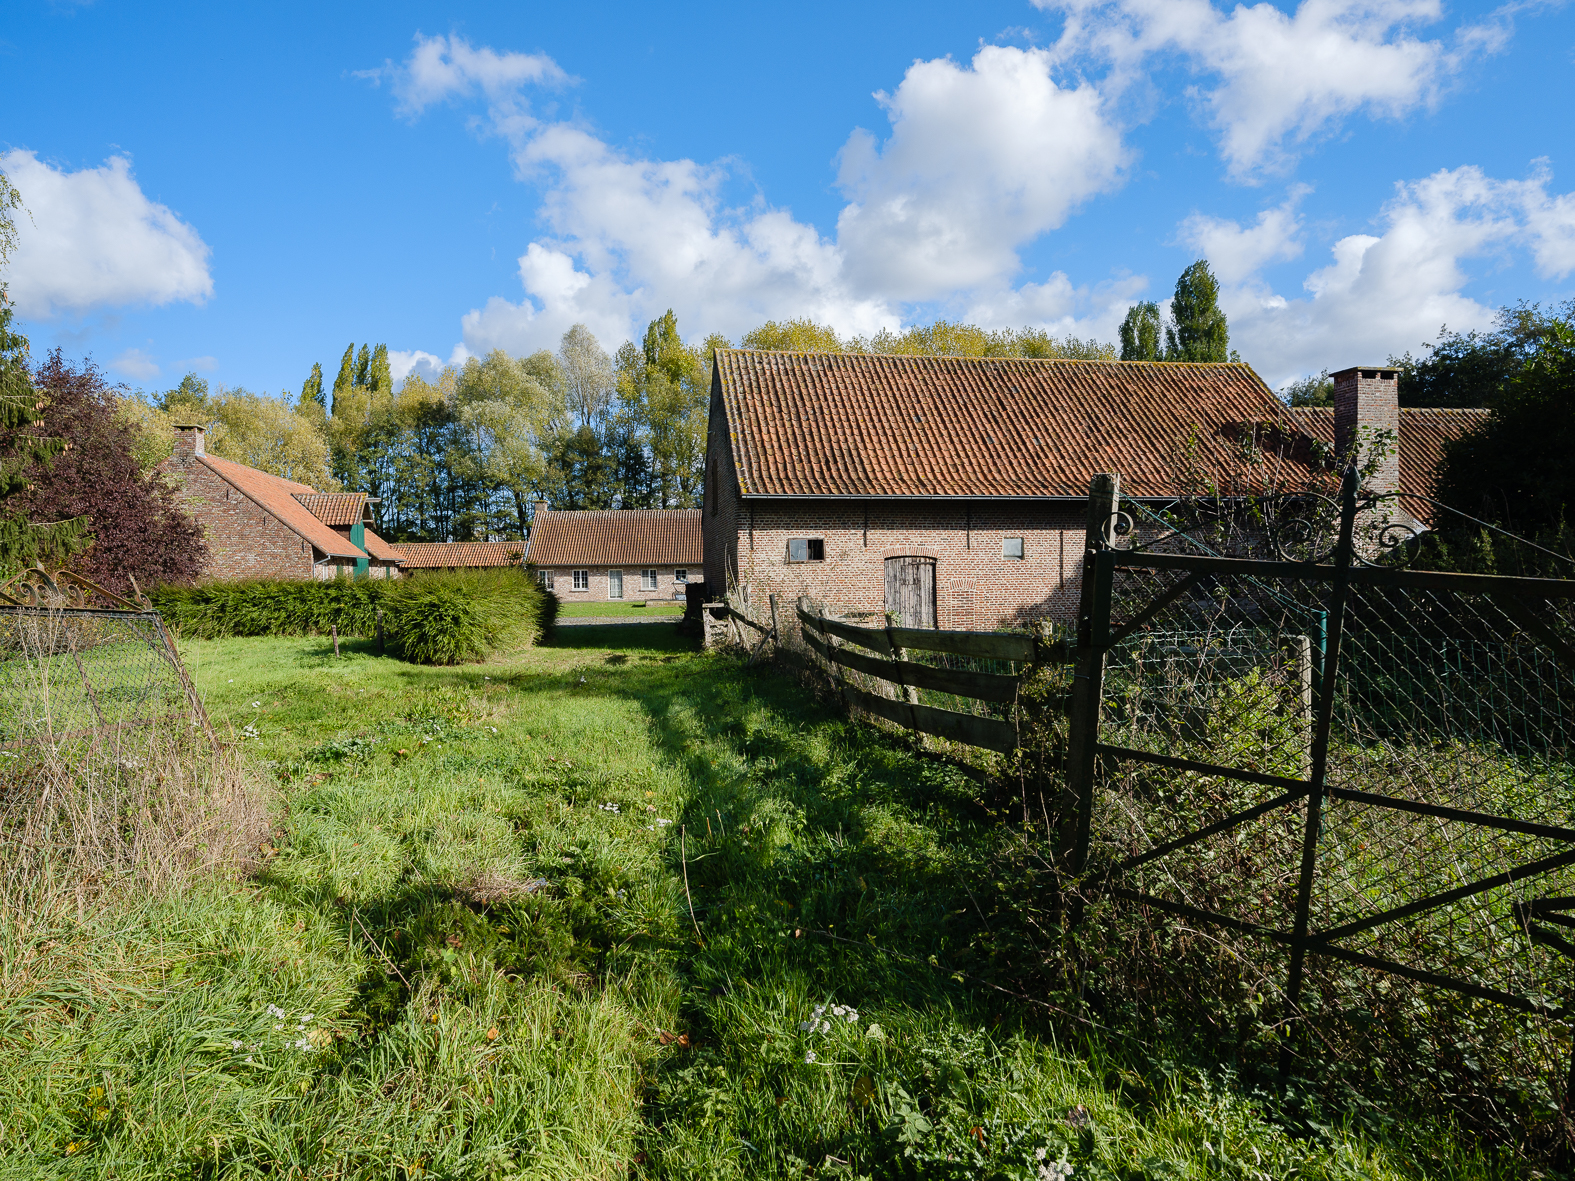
1093 625
1320 758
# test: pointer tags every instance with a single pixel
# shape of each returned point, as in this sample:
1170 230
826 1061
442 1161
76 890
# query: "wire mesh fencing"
1349 775
75 678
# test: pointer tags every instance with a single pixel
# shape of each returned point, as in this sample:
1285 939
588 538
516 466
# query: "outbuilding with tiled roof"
951 491
259 525
616 554
458 555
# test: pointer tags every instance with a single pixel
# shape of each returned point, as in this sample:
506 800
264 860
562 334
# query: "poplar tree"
312 391
1141 332
1197 330
346 379
379 379
363 365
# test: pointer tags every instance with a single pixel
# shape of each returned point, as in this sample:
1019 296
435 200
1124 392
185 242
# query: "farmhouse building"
260 525
616 554
953 490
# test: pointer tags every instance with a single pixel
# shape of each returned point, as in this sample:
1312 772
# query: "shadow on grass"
628 637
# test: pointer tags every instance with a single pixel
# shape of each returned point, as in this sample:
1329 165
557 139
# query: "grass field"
602 909
580 608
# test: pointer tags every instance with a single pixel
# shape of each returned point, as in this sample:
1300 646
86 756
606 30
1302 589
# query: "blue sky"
243 190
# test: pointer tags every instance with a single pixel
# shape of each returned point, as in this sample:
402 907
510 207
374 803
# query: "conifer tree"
23 450
1141 332
312 391
1197 330
346 379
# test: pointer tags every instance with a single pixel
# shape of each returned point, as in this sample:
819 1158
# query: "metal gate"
1346 759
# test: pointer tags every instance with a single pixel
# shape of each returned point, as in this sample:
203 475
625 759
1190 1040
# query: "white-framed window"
582 580
545 578
806 549
680 575
1011 547
615 584
648 580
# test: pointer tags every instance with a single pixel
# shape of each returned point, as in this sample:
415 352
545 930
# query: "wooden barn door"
910 591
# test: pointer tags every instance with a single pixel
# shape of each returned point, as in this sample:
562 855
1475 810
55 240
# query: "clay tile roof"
335 508
825 424
278 496
617 537
443 555
1423 433
379 548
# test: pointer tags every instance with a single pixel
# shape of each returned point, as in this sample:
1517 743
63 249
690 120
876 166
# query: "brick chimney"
188 445
1367 411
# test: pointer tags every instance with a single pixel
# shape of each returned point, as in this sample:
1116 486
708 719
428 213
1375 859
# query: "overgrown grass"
432 618
567 913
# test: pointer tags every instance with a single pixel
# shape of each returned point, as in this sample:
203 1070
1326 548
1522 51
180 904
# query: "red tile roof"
278 496
617 537
335 508
456 555
1423 433
821 424
379 548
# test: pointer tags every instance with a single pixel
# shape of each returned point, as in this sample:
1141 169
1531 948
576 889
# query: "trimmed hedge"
436 618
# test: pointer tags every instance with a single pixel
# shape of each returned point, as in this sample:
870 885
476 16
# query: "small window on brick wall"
545 577
680 575
648 580
1011 547
582 580
806 549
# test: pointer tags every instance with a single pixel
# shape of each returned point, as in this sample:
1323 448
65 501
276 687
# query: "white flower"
235 1045
837 1010
809 1056
279 1026
248 1060
875 1032
256 705
308 1017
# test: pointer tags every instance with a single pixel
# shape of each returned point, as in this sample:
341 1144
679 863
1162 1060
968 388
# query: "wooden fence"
885 657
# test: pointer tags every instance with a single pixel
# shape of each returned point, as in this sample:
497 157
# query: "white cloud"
1392 292
1059 307
1278 79
980 161
136 364
91 239
1234 252
201 364
402 363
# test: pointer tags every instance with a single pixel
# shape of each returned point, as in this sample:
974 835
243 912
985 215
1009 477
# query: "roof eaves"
350 552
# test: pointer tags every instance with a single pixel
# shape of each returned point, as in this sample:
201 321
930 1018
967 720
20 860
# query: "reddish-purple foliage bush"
139 529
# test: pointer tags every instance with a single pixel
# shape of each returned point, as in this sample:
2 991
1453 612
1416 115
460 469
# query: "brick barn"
953 490
614 554
260 525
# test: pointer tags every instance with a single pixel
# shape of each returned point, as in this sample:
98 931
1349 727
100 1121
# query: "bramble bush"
439 618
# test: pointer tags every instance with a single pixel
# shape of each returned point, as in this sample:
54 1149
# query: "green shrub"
435 618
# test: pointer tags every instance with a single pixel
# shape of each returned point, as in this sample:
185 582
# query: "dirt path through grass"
603 908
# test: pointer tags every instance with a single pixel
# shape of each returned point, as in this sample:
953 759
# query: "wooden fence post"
1077 798
380 640
333 630
899 654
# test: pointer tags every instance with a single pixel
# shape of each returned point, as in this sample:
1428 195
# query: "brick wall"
1367 406
975 586
667 584
719 513
244 541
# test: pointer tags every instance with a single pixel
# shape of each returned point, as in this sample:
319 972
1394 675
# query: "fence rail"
886 659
